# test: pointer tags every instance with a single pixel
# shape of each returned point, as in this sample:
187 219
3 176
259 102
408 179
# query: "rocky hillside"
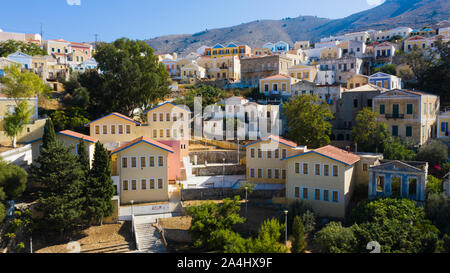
391 13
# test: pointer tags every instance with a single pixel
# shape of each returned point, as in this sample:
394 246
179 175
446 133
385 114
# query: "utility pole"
42 33
96 40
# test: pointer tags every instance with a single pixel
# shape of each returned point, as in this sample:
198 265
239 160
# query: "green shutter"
395 130
408 131
409 109
382 109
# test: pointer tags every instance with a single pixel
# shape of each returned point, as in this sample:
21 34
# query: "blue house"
398 179
386 81
21 58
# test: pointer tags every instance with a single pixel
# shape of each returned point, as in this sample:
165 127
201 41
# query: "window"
161 133
128 129
380 184
355 103
283 174
143 162
277 153
335 170
252 173
152 184
382 109
305 193
161 117
259 153
269 154
316 194
155 133
297 167
277 173
133 185
326 170
260 173
317 169
168 133
283 153
155 117
412 187
335 197
125 185
143 184
181 117
168 117
269 173
326 195
124 162
297 192
160 183
113 129
408 131
305 168
97 129
133 162
120 129
252 153
160 161
409 109
105 129
365 167
394 130
396 186
174 117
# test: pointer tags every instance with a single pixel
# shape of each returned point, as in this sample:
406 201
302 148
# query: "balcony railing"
394 116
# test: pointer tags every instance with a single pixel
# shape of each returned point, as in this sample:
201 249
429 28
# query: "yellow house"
192 71
303 72
325 178
331 53
263 159
408 114
277 85
142 171
443 131
219 51
69 139
114 130
302 45
357 80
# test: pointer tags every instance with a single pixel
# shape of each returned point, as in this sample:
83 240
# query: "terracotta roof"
78 136
277 139
146 140
338 154
415 38
117 115
279 76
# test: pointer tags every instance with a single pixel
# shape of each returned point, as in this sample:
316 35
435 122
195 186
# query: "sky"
81 20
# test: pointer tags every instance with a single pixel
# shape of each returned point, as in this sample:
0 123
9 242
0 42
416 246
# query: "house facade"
324 178
254 69
303 72
232 49
344 68
408 114
398 179
277 85
386 81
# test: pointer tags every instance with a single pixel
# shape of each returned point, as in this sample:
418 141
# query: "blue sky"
80 20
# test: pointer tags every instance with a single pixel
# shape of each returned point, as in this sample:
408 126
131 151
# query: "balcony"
394 116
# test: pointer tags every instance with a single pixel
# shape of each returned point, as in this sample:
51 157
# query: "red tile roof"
78 135
279 76
146 140
114 114
338 154
277 139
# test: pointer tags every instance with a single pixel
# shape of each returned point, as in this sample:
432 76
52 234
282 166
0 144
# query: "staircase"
147 238
119 248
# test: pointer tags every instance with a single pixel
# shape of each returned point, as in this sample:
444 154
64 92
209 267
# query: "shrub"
334 238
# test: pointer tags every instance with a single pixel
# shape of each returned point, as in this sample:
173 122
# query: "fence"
220 193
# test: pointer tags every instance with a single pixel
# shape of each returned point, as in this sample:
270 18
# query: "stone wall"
218 170
216 156
219 193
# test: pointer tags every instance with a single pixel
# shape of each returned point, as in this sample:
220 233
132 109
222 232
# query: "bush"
297 208
309 221
434 185
435 153
334 238
299 243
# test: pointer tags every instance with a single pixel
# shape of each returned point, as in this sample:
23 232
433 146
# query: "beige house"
223 68
324 177
303 72
408 114
69 139
142 171
357 80
192 71
264 159
277 85
302 45
443 129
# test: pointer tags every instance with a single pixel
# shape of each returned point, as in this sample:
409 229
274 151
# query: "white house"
21 58
385 80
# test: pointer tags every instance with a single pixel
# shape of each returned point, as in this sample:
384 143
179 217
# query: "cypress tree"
61 197
83 157
299 243
49 134
100 187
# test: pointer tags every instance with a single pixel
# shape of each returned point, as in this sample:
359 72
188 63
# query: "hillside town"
324 141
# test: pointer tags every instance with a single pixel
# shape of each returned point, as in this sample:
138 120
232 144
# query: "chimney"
347 148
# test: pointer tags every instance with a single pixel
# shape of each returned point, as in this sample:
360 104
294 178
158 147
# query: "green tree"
437 209
334 238
397 150
13 181
387 68
268 239
299 243
309 221
210 217
83 157
61 177
100 187
80 98
18 85
15 122
297 208
367 132
11 46
434 185
131 77
308 120
435 153
49 136
73 118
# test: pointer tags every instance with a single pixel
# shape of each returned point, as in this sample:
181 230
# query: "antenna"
96 40
42 33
